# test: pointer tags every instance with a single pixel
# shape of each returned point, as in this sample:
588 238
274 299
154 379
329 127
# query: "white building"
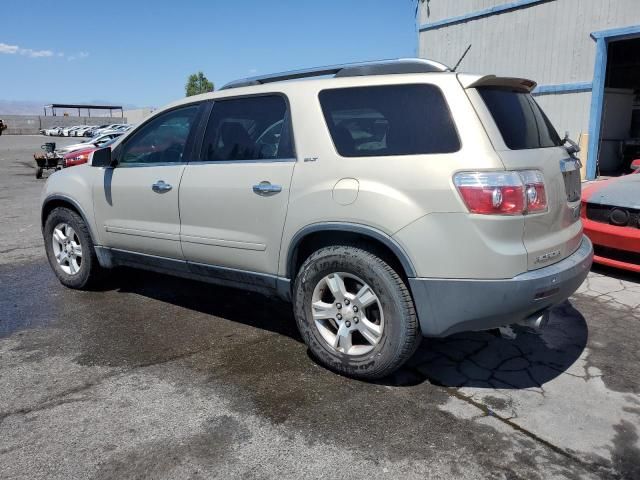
584 55
134 117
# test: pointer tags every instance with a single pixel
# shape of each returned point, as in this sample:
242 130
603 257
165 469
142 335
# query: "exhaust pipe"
537 321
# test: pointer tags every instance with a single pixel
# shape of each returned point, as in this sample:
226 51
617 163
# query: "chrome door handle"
160 187
266 188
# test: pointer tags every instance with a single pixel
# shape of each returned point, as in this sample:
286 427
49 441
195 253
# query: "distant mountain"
35 107
19 107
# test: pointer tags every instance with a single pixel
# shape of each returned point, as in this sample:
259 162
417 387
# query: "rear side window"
521 121
389 120
250 128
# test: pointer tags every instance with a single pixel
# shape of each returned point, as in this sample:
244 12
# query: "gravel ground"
166 378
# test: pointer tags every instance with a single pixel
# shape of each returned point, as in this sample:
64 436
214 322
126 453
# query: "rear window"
521 121
389 120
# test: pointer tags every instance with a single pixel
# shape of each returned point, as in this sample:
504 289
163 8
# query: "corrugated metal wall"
568 111
548 42
442 9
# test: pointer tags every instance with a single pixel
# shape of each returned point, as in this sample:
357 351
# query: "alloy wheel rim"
67 248
347 313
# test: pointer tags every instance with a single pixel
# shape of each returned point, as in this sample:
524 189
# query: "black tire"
401 335
39 172
90 272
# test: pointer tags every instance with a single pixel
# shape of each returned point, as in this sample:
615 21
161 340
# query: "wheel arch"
57 200
318 235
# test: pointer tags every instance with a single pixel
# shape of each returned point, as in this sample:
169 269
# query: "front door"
136 206
233 200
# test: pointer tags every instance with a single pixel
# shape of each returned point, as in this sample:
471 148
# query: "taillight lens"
535 193
76 158
502 193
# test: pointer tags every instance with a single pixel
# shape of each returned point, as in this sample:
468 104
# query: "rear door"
234 197
524 138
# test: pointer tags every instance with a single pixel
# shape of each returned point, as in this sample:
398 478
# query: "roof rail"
378 67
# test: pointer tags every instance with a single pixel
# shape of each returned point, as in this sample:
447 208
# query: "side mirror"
102 158
635 165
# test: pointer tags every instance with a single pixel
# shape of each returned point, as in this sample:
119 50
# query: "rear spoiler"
475 81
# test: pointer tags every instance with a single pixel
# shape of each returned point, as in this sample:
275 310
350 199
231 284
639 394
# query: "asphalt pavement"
158 377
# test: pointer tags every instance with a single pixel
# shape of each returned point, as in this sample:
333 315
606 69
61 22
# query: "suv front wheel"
355 312
70 250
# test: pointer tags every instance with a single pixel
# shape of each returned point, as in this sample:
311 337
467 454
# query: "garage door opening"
620 128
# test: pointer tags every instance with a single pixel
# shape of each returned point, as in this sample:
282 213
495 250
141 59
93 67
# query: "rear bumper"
616 241
447 306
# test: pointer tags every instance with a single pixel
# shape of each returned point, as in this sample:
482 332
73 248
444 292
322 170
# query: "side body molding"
364 230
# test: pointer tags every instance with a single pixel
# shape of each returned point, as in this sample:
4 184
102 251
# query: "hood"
75 146
618 192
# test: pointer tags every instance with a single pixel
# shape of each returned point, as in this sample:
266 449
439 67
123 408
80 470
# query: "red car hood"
618 192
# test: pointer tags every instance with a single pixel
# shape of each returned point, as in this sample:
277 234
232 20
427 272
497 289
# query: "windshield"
519 118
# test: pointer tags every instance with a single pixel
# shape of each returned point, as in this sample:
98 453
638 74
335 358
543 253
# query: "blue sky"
141 53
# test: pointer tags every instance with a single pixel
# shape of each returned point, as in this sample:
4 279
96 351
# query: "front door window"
162 140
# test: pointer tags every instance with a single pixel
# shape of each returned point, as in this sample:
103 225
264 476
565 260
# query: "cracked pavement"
166 378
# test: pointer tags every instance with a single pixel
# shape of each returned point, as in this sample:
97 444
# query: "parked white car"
106 131
52 131
98 141
108 128
92 131
79 132
65 131
393 201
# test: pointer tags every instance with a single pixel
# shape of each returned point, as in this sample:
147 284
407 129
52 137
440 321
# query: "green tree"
197 84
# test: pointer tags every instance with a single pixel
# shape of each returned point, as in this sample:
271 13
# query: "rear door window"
389 120
250 128
521 121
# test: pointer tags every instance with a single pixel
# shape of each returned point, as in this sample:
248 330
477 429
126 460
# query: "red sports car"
611 218
77 157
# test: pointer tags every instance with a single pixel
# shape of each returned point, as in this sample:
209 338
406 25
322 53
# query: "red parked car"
611 218
77 157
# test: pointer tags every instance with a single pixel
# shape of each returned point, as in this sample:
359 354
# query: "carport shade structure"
52 107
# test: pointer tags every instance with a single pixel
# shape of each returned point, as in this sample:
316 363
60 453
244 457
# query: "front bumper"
615 240
447 306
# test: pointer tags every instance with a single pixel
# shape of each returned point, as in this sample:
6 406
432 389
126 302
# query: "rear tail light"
502 193
534 190
76 158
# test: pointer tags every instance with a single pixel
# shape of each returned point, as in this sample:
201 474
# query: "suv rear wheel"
70 250
355 312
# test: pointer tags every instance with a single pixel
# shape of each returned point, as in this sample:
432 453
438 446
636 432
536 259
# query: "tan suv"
388 201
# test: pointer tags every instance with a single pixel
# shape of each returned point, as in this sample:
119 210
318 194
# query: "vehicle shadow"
240 306
472 359
489 360
616 273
